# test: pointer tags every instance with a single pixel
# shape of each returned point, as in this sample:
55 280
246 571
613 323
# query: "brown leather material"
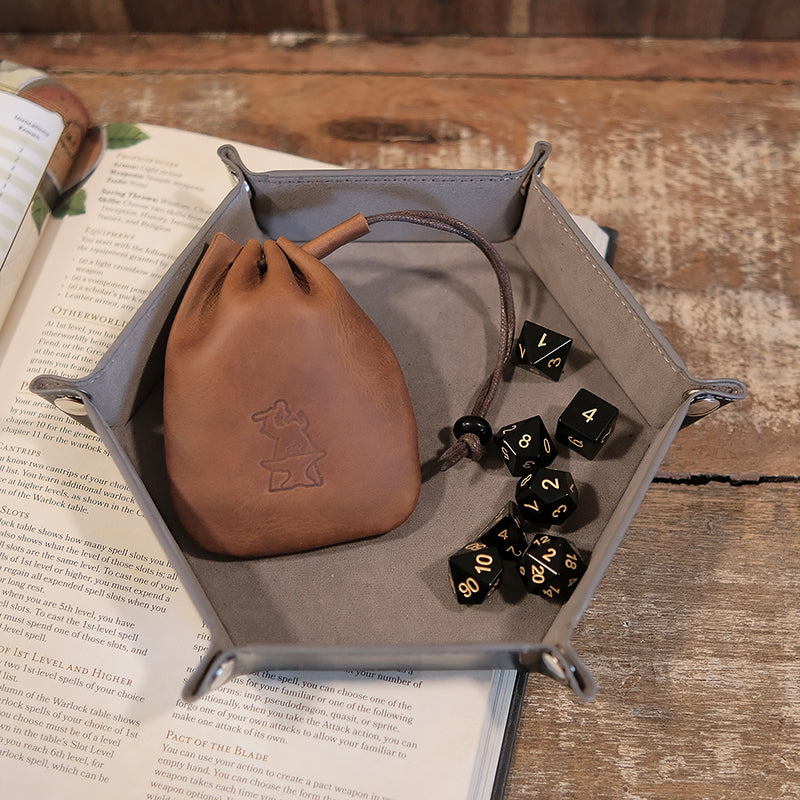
332 239
287 420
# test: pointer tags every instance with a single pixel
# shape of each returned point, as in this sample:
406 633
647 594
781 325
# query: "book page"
29 135
97 635
594 233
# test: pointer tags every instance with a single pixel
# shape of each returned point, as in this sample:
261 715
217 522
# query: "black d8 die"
586 423
505 533
551 567
547 497
541 349
475 572
525 446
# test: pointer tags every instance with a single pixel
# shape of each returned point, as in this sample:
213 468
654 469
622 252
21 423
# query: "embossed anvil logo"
294 459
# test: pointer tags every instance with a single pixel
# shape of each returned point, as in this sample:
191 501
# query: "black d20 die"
551 567
541 349
525 446
586 423
547 497
505 534
475 572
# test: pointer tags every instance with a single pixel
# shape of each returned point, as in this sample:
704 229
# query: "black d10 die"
551 567
547 497
475 572
525 446
541 349
586 423
505 533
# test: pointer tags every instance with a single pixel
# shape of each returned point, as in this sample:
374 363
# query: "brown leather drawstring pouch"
288 424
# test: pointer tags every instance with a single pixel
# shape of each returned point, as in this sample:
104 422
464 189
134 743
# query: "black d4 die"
475 572
547 497
505 534
541 349
586 423
551 567
525 446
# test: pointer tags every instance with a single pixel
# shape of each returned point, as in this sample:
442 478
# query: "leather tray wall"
386 602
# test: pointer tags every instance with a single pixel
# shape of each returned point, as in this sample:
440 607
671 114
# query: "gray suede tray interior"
386 602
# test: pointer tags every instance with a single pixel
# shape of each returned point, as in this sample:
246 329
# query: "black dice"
525 446
542 349
586 423
551 567
547 497
475 572
504 533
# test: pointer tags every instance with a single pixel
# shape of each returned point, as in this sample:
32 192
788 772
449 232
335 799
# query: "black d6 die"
504 533
547 497
541 349
525 446
586 423
475 572
551 567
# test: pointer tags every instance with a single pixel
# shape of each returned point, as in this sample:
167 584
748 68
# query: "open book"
97 634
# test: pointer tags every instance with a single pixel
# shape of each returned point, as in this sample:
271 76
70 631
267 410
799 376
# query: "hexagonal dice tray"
386 602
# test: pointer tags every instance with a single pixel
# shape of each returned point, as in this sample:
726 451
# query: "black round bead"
473 424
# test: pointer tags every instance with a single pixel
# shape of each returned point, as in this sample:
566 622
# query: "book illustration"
294 459
77 151
71 206
48 146
40 89
114 136
120 135
28 137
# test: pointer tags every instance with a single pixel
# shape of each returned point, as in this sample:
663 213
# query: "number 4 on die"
586 423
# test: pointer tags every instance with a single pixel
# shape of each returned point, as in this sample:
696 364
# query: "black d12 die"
551 567
586 423
547 497
541 349
475 572
505 534
525 446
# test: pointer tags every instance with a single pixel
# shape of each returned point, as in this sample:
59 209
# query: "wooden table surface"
692 151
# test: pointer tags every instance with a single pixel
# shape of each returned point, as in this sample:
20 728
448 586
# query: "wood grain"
520 57
258 16
692 637
741 19
691 151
